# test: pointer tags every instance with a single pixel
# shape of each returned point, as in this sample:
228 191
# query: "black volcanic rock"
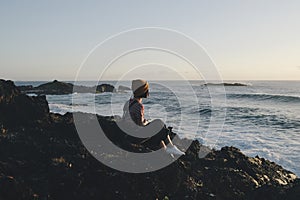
19 109
49 161
11 189
25 88
8 91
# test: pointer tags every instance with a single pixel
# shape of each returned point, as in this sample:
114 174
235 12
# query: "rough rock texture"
48 161
105 88
59 88
20 109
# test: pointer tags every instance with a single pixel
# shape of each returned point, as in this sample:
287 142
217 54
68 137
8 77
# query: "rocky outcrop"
49 161
59 88
105 88
55 87
19 109
25 88
226 84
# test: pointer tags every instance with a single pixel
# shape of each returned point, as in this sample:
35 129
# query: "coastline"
43 157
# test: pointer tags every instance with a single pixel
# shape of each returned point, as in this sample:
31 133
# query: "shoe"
174 150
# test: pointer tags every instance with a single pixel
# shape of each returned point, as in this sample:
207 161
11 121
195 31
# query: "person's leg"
169 139
163 145
153 128
159 134
162 139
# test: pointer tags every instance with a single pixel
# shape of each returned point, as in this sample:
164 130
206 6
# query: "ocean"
261 118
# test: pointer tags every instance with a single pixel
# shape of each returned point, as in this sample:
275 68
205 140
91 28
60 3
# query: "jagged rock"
8 90
19 109
105 88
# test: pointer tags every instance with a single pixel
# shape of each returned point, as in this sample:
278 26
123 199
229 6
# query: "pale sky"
246 39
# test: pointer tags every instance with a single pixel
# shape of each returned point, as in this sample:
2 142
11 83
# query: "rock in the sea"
105 88
60 88
55 87
226 84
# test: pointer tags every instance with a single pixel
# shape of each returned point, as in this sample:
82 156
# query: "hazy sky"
248 40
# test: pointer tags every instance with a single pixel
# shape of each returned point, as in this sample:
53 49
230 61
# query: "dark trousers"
156 128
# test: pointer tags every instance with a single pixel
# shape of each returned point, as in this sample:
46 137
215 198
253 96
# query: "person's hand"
146 122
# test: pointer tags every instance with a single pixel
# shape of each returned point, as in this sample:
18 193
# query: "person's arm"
144 122
137 114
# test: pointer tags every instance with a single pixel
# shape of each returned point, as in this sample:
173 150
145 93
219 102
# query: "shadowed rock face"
20 109
105 88
48 161
55 87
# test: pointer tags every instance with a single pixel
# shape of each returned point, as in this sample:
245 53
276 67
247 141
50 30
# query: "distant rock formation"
55 87
226 84
105 88
59 88
42 157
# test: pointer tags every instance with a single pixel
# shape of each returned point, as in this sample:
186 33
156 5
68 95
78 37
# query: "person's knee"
158 123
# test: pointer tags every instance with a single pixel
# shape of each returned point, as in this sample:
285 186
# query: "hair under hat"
139 87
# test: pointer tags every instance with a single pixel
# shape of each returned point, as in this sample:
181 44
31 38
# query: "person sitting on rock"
153 132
